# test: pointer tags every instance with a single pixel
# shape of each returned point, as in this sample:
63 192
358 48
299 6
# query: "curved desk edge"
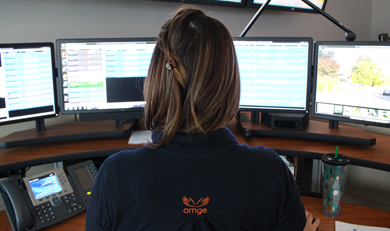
108 152
59 158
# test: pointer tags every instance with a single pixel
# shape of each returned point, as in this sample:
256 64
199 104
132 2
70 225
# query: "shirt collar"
197 141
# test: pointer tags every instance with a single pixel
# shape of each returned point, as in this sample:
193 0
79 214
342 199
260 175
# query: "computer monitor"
103 76
291 5
27 82
275 73
352 82
229 3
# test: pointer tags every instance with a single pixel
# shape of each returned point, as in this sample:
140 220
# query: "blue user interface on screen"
103 75
45 185
274 75
26 83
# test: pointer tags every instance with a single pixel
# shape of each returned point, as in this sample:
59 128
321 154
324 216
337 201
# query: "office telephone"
47 198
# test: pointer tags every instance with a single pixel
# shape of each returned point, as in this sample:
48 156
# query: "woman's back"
197 182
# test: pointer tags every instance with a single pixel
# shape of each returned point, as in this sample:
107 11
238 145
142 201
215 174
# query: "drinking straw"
337 151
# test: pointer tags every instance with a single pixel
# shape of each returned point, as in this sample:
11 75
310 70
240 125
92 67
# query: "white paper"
139 137
342 226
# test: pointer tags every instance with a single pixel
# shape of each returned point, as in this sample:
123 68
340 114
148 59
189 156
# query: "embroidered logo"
195 208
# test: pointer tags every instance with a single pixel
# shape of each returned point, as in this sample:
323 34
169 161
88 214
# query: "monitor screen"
352 82
27 82
275 74
103 75
231 3
290 5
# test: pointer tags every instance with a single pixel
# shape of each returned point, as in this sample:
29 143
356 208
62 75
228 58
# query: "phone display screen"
84 177
45 185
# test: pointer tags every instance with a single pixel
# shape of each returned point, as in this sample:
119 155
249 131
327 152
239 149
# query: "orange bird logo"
201 202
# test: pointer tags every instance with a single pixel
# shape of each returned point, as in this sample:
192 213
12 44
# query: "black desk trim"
317 156
108 152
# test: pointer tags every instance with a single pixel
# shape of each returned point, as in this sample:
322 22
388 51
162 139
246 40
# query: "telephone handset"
20 217
47 198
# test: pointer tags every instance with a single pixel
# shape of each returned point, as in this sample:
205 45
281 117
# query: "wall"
47 20
380 18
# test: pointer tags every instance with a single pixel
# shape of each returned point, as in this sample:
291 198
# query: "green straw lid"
332 160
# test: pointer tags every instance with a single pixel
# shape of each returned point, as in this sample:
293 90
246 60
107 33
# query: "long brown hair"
201 91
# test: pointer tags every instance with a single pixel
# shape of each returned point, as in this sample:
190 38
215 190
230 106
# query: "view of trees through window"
363 73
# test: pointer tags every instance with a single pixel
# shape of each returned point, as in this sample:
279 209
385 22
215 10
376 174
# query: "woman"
194 175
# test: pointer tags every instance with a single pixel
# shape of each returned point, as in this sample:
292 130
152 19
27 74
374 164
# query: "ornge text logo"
195 208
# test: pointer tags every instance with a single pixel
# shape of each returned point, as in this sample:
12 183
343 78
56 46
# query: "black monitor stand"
70 132
40 125
333 124
277 120
118 117
270 124
315 130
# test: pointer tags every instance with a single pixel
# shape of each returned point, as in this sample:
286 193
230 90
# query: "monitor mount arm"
349 36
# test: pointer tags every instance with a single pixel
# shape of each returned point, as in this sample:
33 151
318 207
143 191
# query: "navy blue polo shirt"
196 182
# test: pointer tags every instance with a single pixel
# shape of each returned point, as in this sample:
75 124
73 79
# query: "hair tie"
170 64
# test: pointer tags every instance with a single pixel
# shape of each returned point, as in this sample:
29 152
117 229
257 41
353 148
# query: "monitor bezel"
55 112
242 4
309 71
251 4
314 85
60 77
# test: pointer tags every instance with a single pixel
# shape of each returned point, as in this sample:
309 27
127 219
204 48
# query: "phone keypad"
93 170
71 202
63 180
45 213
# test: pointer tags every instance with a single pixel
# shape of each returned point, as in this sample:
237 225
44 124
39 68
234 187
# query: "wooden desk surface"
350 213
354 214
377 153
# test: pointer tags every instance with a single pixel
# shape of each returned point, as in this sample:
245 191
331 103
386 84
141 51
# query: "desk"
376 156
17 158
350 213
